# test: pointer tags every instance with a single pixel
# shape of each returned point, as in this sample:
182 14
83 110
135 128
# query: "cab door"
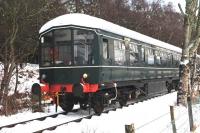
106 73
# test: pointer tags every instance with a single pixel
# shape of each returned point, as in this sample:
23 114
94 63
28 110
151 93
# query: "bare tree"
190 45
20 22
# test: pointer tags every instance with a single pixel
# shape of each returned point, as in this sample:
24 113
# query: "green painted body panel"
106 71
111 74
70 75
106 74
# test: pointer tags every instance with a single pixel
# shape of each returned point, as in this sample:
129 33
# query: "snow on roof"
97 23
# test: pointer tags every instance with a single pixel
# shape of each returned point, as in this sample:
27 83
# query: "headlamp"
43 76
85 75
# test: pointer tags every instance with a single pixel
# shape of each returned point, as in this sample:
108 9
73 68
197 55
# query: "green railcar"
93 62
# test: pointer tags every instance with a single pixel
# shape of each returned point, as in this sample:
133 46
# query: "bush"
14 103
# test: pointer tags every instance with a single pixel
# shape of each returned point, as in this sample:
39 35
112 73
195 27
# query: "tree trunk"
77 3
16 81
184 66
183 86
9 66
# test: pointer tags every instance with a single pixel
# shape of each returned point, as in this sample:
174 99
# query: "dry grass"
14 103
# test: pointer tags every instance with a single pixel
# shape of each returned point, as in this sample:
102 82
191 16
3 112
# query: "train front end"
68 57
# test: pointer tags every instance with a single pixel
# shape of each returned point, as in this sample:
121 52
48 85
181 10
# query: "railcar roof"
97 23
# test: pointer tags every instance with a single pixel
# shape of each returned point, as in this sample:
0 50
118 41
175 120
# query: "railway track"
79 119
39 119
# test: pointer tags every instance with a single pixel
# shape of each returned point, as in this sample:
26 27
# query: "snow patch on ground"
148 116
27 76
185 62
27 115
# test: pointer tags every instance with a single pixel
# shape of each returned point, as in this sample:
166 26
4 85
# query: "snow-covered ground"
152 116
27 76
149 116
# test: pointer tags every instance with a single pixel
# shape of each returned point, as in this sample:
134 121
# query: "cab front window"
83 41
62 47
47 49
66 47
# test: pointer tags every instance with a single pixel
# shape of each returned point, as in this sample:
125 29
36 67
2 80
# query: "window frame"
69 43
105 46
119 52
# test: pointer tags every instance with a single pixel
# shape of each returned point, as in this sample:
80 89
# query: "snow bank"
149 116
27 76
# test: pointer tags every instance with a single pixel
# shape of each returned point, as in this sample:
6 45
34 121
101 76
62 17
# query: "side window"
134 54
164 58
150 60
83 41
178 58
119 52
157 57
105 49
170 59
142 54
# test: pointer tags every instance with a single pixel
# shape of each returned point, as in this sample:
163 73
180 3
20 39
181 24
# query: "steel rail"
39 119
91 115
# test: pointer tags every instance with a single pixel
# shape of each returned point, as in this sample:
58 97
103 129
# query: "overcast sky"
175 3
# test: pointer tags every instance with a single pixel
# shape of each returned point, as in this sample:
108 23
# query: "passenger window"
105 49
170 58
164 58
142 55
157 57
119 52
134 54
150 56
177 60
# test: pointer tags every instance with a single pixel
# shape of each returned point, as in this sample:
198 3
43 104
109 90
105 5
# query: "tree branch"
179 5
195 43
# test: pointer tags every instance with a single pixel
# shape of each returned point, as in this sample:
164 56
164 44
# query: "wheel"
175 85
169 87
98 104
123 101
133 96
98 107
66 104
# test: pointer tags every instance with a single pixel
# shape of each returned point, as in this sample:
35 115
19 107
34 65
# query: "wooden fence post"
172 119
129 128
190 113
